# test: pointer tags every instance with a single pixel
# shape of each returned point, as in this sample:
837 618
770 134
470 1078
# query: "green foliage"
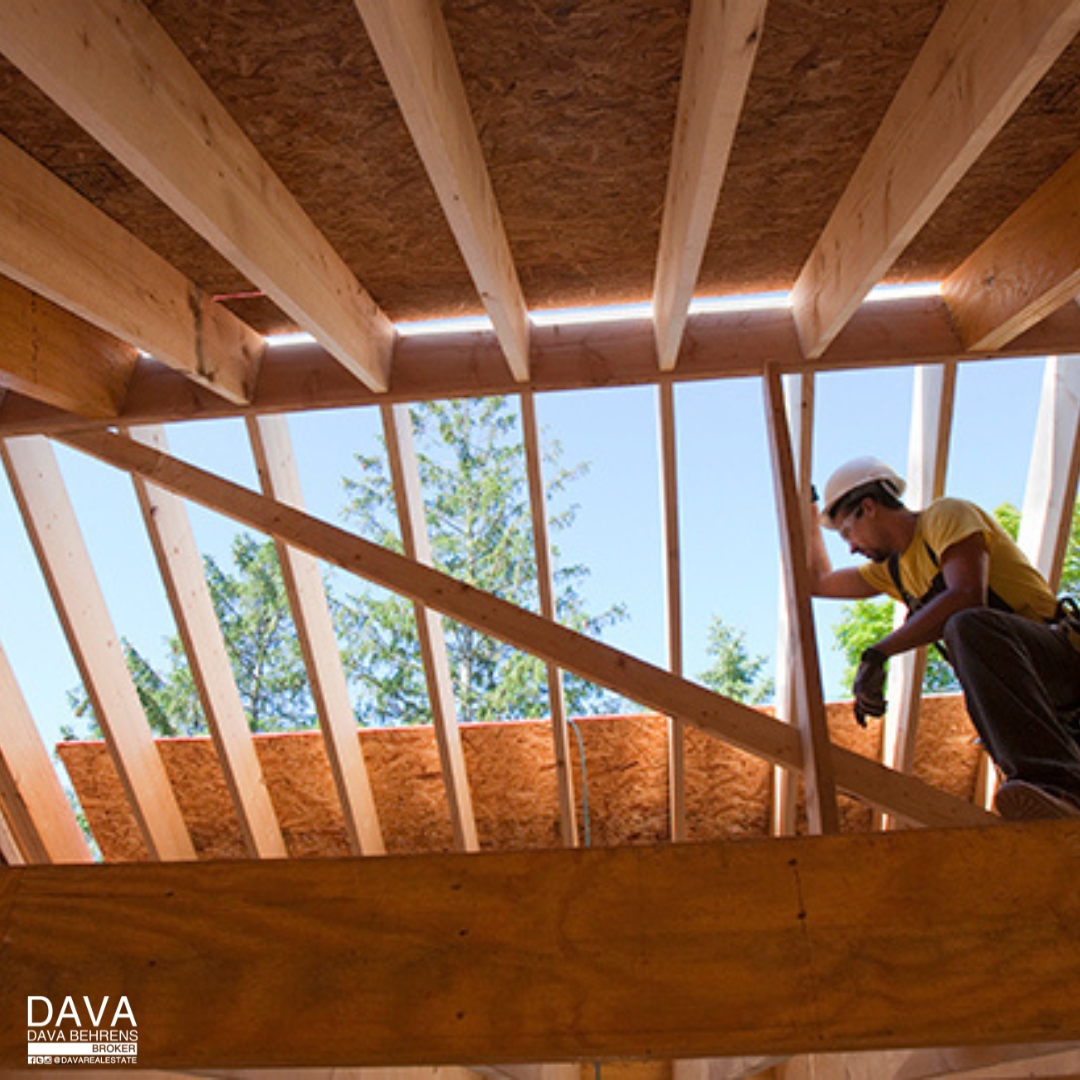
260 638
733 671
472 470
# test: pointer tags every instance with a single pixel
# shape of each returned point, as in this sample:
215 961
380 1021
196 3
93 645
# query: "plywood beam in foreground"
54 357
545 578
60 549
115 71
280 479
61 246
717 345
31 798
768 947
638 680
819 776
977 65
721 44
414 48
181 568
1025 269
405 469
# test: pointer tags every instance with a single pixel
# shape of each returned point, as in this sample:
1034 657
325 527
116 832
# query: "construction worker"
1013 646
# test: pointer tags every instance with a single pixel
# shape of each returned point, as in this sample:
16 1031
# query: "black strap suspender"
937 587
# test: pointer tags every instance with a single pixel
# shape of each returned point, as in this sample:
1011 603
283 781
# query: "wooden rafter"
61 246
799 410
818 767
180 565
1027 268
545 577
54 357
717 346
31 797
977 65
405 468
928 457
721 44
1050 496
280 479
414 47
115 71
574 955
50 521
638 680
669 503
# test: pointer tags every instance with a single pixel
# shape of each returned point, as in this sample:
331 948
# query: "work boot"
1017 800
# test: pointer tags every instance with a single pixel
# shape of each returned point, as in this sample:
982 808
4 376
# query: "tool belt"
1067 614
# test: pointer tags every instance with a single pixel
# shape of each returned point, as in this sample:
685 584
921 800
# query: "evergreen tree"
472 470
260 638
733 671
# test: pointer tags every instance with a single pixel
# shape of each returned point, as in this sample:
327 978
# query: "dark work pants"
1021 682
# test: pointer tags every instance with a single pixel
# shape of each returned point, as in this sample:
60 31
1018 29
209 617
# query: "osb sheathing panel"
512 778
575 105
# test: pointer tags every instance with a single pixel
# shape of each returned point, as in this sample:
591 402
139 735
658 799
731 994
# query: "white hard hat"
854 474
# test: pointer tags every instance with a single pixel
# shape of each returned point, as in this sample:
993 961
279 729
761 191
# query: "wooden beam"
545 577
280 479
31 797
416 53
669 504
977 65
58 543
740 725
54 357
818 771
181 568
405 469
933 396
694 950
721 44
115 71
1050 496
1025 269
717 346
61 246
799 412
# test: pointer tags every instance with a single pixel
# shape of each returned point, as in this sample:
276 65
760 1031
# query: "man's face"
861 531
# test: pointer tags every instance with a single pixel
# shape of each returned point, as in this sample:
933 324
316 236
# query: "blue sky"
728 516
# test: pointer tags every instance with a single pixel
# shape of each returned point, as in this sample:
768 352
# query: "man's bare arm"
966 569
843 584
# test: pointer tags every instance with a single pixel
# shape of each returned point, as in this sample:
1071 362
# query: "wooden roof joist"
974 70
779 946
115 71
640 681
64 248
727 344
415 50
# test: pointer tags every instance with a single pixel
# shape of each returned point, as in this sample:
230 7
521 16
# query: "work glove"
869 685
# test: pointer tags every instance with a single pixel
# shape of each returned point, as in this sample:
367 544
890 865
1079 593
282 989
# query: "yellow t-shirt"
947 522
